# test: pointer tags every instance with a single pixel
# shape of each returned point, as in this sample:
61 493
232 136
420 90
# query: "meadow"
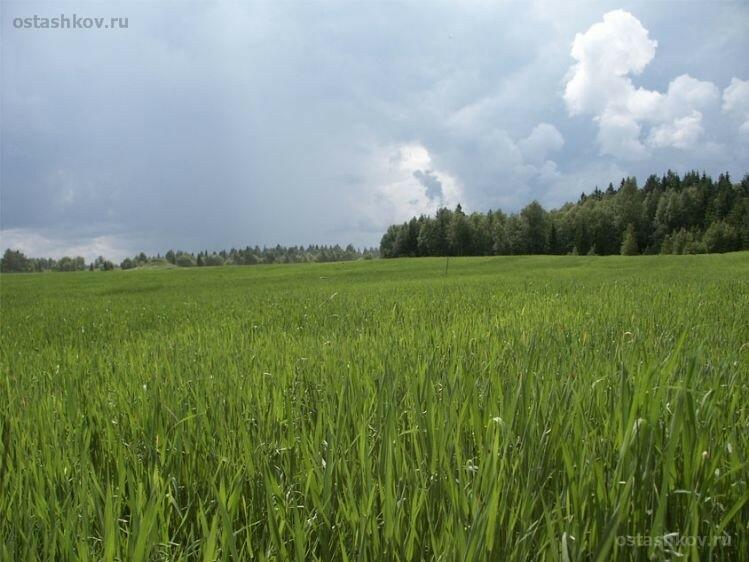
514 408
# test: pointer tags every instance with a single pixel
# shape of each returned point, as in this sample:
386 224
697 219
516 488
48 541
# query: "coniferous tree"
459 234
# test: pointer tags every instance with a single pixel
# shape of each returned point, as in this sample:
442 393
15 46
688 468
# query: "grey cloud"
431 182
207 125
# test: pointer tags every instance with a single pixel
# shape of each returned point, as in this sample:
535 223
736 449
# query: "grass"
520 408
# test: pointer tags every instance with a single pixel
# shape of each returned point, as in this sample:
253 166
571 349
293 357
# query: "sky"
211 125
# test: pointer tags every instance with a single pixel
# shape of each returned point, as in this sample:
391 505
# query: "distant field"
517 408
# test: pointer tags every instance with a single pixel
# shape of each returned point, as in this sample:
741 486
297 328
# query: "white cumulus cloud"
600 83
736 101
606 54
681 133
406 183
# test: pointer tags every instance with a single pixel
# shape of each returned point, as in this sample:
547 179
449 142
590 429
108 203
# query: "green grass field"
518 408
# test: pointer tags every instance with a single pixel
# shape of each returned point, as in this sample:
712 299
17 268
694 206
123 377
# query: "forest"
670 214
15 261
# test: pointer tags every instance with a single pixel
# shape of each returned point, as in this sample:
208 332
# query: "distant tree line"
692 214
15 261
253 256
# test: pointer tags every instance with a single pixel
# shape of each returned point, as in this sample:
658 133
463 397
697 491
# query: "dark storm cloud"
431 183
207 125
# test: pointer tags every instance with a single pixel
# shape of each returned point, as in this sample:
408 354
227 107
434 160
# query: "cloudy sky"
206 125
